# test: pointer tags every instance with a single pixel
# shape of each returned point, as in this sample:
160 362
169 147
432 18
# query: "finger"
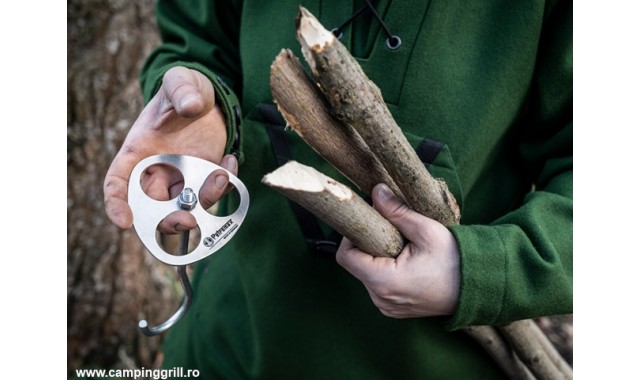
360 264
213 188
217 184
388 308
162 182
177 222
116 182
408 222
116 207
115 189
382 306
188 91
230 163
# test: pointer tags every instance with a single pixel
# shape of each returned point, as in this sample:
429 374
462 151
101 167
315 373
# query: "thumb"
188 91
408 222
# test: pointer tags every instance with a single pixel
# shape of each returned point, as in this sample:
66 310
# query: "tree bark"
357 101
499 350
550 350
536 351
339 206
112 282
306 112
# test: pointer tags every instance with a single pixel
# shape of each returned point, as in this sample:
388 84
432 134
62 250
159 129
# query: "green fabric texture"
491 81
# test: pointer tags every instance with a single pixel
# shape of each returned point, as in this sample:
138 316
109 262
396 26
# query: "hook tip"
143 325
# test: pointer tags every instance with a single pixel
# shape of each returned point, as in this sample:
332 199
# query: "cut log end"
311 30
294 176
338 206
311 35
278 65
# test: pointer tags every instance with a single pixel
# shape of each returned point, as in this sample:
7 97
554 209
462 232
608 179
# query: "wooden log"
494 344
358 102
338 206
307 113
549 349
535 350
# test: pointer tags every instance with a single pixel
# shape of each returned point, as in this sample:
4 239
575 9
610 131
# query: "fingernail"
221 181
384 193
230 163
181 228
184 103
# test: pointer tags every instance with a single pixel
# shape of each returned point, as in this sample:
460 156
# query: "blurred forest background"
112 282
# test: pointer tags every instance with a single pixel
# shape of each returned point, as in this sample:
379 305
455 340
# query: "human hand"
182 118
424 280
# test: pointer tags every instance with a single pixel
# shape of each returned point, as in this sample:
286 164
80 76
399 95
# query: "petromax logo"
221 234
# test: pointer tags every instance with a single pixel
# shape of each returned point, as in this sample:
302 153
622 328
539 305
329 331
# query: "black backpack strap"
309 225
427 150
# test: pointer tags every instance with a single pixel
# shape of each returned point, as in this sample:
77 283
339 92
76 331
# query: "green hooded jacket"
483 91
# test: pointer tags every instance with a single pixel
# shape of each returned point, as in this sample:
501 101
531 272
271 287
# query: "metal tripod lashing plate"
215 231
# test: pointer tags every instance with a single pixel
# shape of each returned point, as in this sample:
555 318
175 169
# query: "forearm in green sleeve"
202 36
520 266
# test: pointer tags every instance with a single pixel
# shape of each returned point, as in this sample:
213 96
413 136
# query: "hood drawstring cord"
393 41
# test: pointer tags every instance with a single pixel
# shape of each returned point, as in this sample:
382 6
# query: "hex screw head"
187 199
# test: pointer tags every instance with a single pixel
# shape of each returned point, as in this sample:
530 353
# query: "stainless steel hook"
186 301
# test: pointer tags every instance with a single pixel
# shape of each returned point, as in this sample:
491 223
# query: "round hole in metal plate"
172 243
219 202
162 182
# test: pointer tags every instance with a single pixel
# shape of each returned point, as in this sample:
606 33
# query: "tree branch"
534 349
357 101
306 112
338 206
493 343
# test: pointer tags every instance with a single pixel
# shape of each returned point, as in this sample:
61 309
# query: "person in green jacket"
482 90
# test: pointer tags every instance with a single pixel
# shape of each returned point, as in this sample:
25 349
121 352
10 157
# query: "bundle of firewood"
344 118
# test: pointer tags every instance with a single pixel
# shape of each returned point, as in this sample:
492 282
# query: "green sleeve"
521 265
201 35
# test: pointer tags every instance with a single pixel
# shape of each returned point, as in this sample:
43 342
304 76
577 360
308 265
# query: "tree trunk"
112 282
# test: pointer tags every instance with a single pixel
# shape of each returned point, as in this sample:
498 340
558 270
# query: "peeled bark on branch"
357 101
303 107
338 206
